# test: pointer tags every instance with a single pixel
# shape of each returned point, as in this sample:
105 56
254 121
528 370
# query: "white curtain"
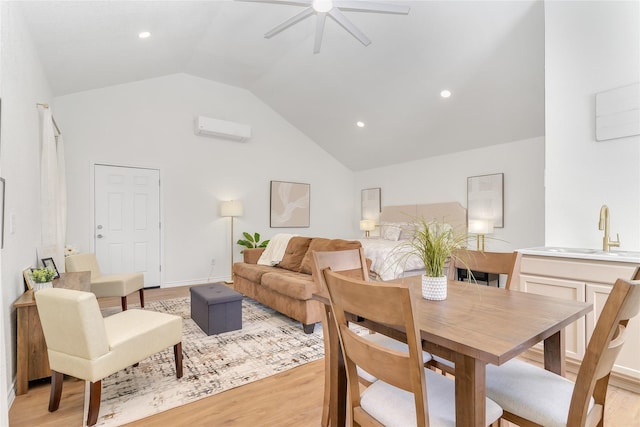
53 195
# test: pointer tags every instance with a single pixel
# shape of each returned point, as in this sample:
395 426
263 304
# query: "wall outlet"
213 262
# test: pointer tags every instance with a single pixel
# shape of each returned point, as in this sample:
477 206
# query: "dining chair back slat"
506 263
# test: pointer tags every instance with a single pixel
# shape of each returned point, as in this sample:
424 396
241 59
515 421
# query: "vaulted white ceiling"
490 55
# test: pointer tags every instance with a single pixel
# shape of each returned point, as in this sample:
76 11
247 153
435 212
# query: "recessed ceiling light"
144 34
322 6
445 93
360 124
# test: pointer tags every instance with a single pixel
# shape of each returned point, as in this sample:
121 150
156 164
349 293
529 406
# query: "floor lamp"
232 209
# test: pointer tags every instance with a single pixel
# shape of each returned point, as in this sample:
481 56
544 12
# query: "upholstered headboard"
451 212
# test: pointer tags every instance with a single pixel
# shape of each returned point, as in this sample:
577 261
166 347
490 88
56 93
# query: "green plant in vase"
251 242
434 243
43 275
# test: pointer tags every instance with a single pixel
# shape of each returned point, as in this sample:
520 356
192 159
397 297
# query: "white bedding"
389 263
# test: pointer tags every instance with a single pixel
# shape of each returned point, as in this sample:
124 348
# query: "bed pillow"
390 231
408 230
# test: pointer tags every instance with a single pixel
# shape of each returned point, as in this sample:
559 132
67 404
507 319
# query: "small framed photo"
48 263
28 279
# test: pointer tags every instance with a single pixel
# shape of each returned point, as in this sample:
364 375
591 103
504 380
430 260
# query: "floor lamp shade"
231 208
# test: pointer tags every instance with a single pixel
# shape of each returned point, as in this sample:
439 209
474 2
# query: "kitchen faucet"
604 225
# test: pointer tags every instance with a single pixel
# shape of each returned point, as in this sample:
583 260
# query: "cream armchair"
107 285
83 344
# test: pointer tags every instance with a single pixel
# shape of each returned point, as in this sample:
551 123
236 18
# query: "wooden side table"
32 361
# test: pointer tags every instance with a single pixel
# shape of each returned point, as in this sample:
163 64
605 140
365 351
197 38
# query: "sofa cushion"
295 252
295 285
252 272
321 244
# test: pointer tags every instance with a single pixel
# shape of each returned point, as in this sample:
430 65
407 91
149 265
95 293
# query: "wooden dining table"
474 326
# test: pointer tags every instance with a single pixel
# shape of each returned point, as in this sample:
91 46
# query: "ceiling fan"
333 9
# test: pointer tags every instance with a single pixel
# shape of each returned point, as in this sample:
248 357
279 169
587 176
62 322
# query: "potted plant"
251 242
434 242
43 277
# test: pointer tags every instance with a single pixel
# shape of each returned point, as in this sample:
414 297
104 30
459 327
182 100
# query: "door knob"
99 236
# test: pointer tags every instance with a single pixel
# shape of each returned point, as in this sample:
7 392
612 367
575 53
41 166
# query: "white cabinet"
575 343
584 280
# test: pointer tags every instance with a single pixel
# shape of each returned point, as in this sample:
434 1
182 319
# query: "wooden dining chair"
506 263
350 263
533 396
406 393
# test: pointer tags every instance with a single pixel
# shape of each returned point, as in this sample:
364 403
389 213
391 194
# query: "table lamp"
367 225
480 226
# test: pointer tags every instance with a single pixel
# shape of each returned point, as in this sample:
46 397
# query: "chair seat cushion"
117 285
388 342
394 407
531 392
135 335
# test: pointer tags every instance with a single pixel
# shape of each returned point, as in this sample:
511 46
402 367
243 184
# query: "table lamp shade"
231 208
480 226
367 224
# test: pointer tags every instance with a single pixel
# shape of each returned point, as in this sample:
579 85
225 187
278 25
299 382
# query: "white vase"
434 288
38 286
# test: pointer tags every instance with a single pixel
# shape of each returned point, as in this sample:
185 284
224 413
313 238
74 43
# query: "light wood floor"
293 398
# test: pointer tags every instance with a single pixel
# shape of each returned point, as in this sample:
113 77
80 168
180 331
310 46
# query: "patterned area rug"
268 343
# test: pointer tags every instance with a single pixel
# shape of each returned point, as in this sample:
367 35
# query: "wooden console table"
31 350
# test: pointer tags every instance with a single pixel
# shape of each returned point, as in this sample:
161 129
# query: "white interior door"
127 221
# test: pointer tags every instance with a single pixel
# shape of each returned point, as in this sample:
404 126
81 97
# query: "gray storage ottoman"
216 308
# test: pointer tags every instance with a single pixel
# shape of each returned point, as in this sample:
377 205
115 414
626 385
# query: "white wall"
22 85
444 179
150 124
590 47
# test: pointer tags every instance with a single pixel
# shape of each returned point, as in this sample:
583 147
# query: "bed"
388 261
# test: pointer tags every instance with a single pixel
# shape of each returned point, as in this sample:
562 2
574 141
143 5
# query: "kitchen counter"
581 253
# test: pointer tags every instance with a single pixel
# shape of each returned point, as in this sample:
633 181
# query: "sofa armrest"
251 256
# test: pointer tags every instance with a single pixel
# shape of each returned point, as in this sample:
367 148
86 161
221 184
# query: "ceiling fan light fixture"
322 6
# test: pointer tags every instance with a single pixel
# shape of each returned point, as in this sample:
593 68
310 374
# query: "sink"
570 250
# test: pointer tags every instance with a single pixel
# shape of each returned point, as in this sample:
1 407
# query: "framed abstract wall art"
370 203
485 198
290 204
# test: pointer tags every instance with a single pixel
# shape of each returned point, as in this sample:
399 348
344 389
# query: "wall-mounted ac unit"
205 126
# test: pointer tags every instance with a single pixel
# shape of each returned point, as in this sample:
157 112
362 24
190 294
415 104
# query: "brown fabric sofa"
288 286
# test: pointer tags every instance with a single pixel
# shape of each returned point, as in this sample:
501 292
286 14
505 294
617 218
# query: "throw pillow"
295 252
322 245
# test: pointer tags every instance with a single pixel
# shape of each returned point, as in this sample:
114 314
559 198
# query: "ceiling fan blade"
289 22
347 25
290 2
322 17
368 6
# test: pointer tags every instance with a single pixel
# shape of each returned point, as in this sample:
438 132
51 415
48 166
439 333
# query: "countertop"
583 253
